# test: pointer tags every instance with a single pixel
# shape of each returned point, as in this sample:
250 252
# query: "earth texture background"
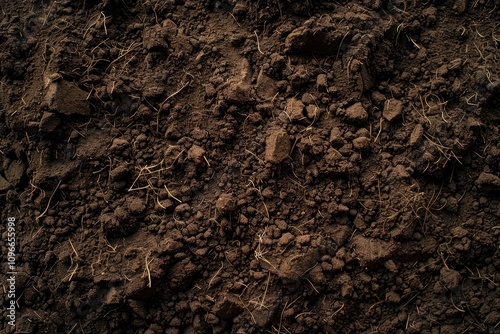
267 166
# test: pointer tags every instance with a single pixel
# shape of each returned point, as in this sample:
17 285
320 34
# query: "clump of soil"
252 166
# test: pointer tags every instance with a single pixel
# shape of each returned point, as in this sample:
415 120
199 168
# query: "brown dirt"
271 166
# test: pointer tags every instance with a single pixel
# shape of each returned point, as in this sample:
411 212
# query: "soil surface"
271 166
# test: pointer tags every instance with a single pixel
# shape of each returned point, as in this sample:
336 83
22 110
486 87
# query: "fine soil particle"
251 166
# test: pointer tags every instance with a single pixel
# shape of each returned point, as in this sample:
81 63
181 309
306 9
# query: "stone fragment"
356 113
393 109
278 147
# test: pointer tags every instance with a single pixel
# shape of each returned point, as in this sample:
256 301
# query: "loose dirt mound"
252 166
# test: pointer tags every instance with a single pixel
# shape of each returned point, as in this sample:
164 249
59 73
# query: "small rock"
278 147
393 109
356 113
295 109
